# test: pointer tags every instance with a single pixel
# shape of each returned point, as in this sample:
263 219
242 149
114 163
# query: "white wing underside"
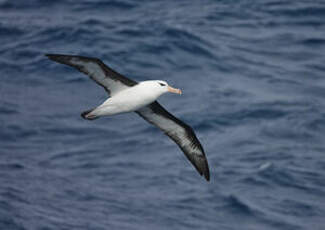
180 133
110 80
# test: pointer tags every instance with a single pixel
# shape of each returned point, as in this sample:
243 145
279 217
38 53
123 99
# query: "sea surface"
252 74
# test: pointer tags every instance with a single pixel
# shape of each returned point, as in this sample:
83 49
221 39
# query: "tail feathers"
86 115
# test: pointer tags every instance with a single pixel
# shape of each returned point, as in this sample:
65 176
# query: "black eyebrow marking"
161 84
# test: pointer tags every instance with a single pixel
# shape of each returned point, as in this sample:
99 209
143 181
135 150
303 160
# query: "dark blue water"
253 79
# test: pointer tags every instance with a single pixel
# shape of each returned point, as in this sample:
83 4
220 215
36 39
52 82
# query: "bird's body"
127 95
130 99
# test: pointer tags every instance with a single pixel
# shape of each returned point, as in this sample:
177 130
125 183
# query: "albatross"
126 95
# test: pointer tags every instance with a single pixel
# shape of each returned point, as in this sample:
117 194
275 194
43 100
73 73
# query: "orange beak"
173 90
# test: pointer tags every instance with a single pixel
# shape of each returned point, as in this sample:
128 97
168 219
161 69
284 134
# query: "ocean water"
252 75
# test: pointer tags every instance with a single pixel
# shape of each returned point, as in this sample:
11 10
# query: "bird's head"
163 87
156 88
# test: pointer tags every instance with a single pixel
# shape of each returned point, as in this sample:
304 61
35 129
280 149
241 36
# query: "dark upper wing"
112 81
179 132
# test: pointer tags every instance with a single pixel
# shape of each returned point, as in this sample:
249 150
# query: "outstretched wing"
112 81
179 132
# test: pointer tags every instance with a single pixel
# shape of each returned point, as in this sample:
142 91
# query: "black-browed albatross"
127 95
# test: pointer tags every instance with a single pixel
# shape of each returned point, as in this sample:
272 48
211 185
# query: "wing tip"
206 171
50 55
54 57
202 166
207 175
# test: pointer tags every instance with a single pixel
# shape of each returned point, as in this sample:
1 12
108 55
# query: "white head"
161 87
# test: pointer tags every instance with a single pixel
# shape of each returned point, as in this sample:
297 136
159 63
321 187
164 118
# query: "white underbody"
127 100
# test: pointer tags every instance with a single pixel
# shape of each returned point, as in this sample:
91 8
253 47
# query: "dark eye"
161 84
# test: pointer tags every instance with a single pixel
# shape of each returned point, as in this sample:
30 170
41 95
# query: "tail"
88 116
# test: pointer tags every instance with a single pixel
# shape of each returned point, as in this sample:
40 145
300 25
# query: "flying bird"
127 95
